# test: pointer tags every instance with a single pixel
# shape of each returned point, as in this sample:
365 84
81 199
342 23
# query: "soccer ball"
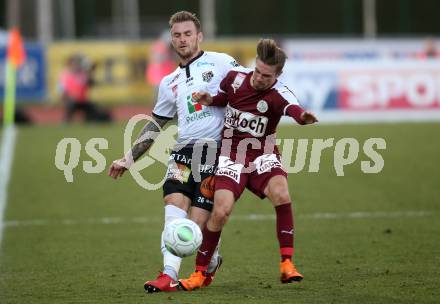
182 237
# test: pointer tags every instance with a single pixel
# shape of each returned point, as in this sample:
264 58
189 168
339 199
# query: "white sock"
171 263
214 259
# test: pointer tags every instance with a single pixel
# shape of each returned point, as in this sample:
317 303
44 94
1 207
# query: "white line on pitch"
6 158
248 217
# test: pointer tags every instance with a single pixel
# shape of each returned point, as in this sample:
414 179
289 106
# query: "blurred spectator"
162 60
430 50
75 82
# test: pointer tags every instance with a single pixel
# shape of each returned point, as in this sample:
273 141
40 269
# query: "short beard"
184 57
188 55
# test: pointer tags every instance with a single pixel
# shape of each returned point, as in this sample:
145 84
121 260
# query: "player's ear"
279 73
199 37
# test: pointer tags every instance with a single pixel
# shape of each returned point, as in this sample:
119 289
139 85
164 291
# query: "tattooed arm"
145 139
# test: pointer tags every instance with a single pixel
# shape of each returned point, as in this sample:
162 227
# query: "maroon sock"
206 250
285 230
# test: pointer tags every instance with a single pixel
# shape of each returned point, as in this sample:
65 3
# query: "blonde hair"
269 53
183 16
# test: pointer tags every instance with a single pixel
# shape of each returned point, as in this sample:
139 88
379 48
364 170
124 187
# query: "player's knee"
178 200
221 215
222 209
285 196
199 221
280 196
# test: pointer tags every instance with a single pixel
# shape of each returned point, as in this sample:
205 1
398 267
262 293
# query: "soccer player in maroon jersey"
255 102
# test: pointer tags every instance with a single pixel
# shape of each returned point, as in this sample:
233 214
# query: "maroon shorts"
236 177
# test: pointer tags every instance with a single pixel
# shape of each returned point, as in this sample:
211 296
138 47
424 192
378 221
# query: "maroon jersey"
251 113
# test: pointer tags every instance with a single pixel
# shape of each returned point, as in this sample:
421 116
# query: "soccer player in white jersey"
189 182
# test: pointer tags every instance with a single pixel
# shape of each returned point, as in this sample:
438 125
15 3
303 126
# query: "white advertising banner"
374 89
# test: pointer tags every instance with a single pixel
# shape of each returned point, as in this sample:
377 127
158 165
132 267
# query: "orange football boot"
195 280
289 274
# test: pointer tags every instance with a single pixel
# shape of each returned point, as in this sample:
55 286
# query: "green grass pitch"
360 238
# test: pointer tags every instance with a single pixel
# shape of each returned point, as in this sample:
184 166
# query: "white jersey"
202 74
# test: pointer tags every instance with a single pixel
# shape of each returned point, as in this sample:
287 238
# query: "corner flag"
14 58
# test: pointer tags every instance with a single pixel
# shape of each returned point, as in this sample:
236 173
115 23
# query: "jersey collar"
186 67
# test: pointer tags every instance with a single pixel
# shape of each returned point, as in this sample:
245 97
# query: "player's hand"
203 98
117 168
308 117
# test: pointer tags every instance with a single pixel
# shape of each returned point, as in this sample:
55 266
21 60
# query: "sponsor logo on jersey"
193 106
207 76
238 81
181 158
227 167
266 163
202 63
174 79
178 172
190 81
174 90
262 106
197 116
207 168
245 122
234 63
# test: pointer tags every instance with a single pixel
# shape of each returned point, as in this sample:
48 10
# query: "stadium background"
359 64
